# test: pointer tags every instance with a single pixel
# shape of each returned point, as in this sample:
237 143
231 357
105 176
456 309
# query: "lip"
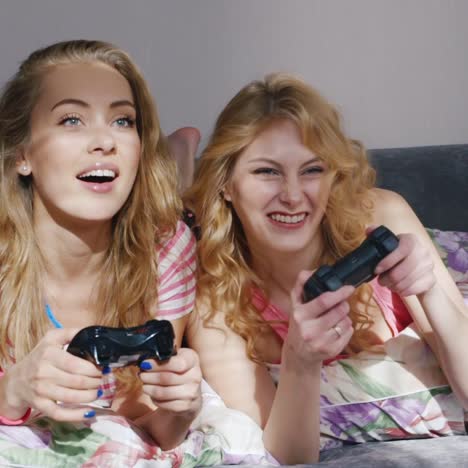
103 187
100 165
287 226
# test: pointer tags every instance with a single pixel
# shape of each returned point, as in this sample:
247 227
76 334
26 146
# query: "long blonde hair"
226 276
128 285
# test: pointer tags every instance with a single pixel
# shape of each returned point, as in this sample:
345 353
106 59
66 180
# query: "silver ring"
338 330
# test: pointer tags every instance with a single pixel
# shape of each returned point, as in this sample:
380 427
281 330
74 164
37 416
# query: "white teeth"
288 219
98 173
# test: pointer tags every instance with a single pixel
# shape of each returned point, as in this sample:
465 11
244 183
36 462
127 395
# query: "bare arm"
290 413
437 307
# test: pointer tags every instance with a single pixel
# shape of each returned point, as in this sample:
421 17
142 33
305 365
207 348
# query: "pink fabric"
393 309
271 313
14 422
177 265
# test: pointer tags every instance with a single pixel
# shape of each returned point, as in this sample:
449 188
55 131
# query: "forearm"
168 429
292 433
450 329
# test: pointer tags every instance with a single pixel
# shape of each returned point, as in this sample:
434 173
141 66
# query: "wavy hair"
226 276
128 284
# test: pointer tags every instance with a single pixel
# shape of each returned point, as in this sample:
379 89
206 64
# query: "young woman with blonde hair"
90 233
279 191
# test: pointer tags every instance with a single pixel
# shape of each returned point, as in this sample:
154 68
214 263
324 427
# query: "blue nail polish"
145 366
90 414
106 370
99 393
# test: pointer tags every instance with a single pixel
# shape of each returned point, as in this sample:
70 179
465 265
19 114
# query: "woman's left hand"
409 269
174 385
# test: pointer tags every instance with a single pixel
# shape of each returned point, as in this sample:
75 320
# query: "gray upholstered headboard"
433 179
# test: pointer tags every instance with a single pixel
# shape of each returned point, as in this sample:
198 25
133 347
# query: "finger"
323 303
167 379
330 318
407 244
64 378
296 294
60 336
415 287
405 272
67 361
161 394
371 228
412 265
51 391
181 406
62 413
342 330
184 360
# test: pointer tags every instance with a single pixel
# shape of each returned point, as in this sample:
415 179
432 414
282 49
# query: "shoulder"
392 210
176 270
180 241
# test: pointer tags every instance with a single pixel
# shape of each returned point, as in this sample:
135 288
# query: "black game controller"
119 347
355 268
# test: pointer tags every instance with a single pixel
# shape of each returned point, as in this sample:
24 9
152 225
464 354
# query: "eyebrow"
79 102
275 163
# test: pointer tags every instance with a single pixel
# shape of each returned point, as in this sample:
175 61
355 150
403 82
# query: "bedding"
453 249
218 435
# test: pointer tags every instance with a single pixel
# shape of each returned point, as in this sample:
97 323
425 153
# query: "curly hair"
226 275
129 274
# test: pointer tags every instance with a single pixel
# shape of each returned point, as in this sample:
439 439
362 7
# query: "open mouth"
288 219
98 176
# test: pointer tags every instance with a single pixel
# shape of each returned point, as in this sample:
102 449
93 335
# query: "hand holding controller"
119 347
355 268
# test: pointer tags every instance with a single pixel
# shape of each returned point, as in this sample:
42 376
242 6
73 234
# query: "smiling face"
84 148
279 190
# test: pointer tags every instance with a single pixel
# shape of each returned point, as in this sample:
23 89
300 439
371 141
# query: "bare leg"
183 144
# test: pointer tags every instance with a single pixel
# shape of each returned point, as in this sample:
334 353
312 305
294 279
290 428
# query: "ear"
22 166
226 192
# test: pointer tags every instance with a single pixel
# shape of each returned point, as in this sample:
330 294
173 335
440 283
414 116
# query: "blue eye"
125 122
70 121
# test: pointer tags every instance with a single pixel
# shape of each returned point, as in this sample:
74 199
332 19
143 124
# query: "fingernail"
90 414
145 366
99 393
106 370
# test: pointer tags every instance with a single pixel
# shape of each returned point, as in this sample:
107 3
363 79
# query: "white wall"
398 69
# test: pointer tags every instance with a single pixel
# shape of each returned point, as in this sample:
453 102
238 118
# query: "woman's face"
279 190
84 149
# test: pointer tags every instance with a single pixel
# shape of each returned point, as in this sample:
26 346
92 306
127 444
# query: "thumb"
296 293
370 228
61 336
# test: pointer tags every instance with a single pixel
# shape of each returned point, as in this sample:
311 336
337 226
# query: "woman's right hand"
319 329
48 375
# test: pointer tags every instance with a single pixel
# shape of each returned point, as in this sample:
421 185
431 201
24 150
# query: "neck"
279 270
71 254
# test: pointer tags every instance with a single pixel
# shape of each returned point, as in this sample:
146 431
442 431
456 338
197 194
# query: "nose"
291 191
101 141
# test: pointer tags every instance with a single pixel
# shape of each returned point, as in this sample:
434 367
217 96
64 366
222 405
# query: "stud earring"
24 169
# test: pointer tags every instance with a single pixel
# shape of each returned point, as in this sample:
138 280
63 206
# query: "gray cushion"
433 179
